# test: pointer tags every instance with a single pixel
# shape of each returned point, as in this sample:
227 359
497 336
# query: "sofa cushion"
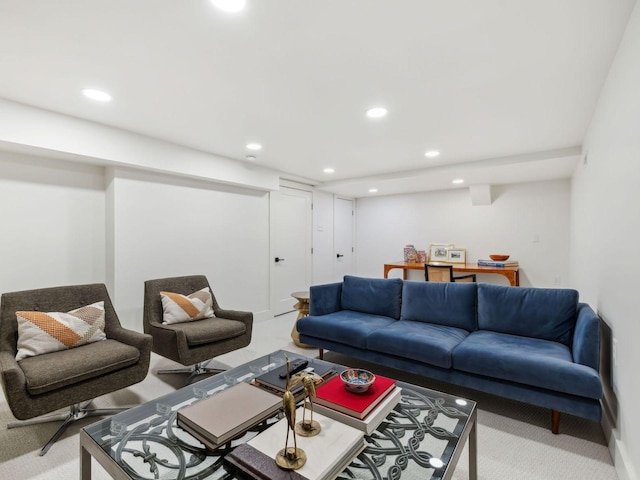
544 313
344 326
377 296
419 341
525 360
451 304
52 371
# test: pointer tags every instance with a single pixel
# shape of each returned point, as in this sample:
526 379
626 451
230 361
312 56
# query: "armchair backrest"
182 285
54 299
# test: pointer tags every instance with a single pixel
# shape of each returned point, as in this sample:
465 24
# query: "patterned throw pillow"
179 308
40 332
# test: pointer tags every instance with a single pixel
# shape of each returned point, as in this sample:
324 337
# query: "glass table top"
421 438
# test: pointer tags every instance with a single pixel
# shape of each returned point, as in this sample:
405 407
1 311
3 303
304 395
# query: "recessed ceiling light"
373 190
97 95
458 181
230 6
377 112
329 170
251 158
254 146
432 153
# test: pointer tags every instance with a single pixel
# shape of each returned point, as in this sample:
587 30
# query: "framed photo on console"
438 252
456 255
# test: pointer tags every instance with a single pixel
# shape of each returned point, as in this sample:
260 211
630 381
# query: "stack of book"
222 417
364 411
495 263
328 453
275 381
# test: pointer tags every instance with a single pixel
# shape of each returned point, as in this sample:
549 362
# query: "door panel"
290 227
343 238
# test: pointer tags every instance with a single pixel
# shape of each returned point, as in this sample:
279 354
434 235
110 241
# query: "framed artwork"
438 252
456 255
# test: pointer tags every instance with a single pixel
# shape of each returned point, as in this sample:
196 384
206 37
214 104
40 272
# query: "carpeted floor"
514 440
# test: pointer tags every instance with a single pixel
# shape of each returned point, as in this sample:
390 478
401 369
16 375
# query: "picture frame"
456 255
438 252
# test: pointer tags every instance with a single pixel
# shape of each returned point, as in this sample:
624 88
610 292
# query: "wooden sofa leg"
555 421
321 353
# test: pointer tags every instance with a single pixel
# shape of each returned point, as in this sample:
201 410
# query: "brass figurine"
307 428
290 458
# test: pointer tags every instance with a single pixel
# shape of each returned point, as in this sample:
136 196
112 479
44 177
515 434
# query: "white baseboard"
621 459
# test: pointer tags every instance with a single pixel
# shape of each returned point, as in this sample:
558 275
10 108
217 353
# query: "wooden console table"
512 273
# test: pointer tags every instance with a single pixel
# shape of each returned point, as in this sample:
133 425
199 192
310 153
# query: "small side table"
303 310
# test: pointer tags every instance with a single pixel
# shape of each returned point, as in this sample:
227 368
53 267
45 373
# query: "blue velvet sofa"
539 346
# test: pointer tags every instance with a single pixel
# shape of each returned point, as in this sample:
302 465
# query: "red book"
333 394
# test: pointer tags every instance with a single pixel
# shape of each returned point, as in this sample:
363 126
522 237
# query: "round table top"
300 295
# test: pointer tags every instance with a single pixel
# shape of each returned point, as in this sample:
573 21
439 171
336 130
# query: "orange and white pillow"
40 332
179 308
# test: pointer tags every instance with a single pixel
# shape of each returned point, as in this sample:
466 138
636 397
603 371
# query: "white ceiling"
504 89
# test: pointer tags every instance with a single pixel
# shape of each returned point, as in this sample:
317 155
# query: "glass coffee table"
422 437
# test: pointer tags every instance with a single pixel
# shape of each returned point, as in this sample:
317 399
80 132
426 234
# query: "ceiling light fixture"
230 6
458 181
432 153
373 190
97 95
377 112
251 158
254 146
329 170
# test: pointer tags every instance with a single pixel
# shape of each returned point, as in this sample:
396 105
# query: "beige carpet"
514 440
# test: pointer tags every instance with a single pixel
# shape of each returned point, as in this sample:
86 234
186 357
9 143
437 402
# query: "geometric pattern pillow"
40 332
177 308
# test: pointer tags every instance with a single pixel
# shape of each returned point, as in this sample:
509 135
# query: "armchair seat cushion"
52 371
525 360
210 330
430 343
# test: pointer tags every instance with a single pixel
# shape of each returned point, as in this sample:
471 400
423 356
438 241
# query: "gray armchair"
70 378
193 343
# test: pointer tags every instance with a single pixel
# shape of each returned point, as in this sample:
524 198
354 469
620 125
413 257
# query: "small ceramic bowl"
357 380
499 258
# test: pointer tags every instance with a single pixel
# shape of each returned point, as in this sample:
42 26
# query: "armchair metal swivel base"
194 371
76 412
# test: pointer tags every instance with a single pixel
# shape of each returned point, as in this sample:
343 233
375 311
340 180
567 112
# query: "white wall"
164 227
606 233
52 217
323 229
518 214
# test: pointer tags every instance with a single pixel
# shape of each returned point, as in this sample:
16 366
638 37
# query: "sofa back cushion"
545 313
377 296
450 304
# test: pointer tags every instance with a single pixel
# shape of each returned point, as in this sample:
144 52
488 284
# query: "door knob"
278 259
339 255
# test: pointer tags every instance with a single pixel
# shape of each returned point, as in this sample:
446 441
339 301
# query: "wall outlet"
536 238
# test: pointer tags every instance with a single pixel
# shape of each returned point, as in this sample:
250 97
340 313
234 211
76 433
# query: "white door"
343 238
290 246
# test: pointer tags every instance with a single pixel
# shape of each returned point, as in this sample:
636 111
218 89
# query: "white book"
328 453
369 423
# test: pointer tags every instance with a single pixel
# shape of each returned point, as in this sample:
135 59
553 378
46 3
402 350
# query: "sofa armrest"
586 338
325 299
